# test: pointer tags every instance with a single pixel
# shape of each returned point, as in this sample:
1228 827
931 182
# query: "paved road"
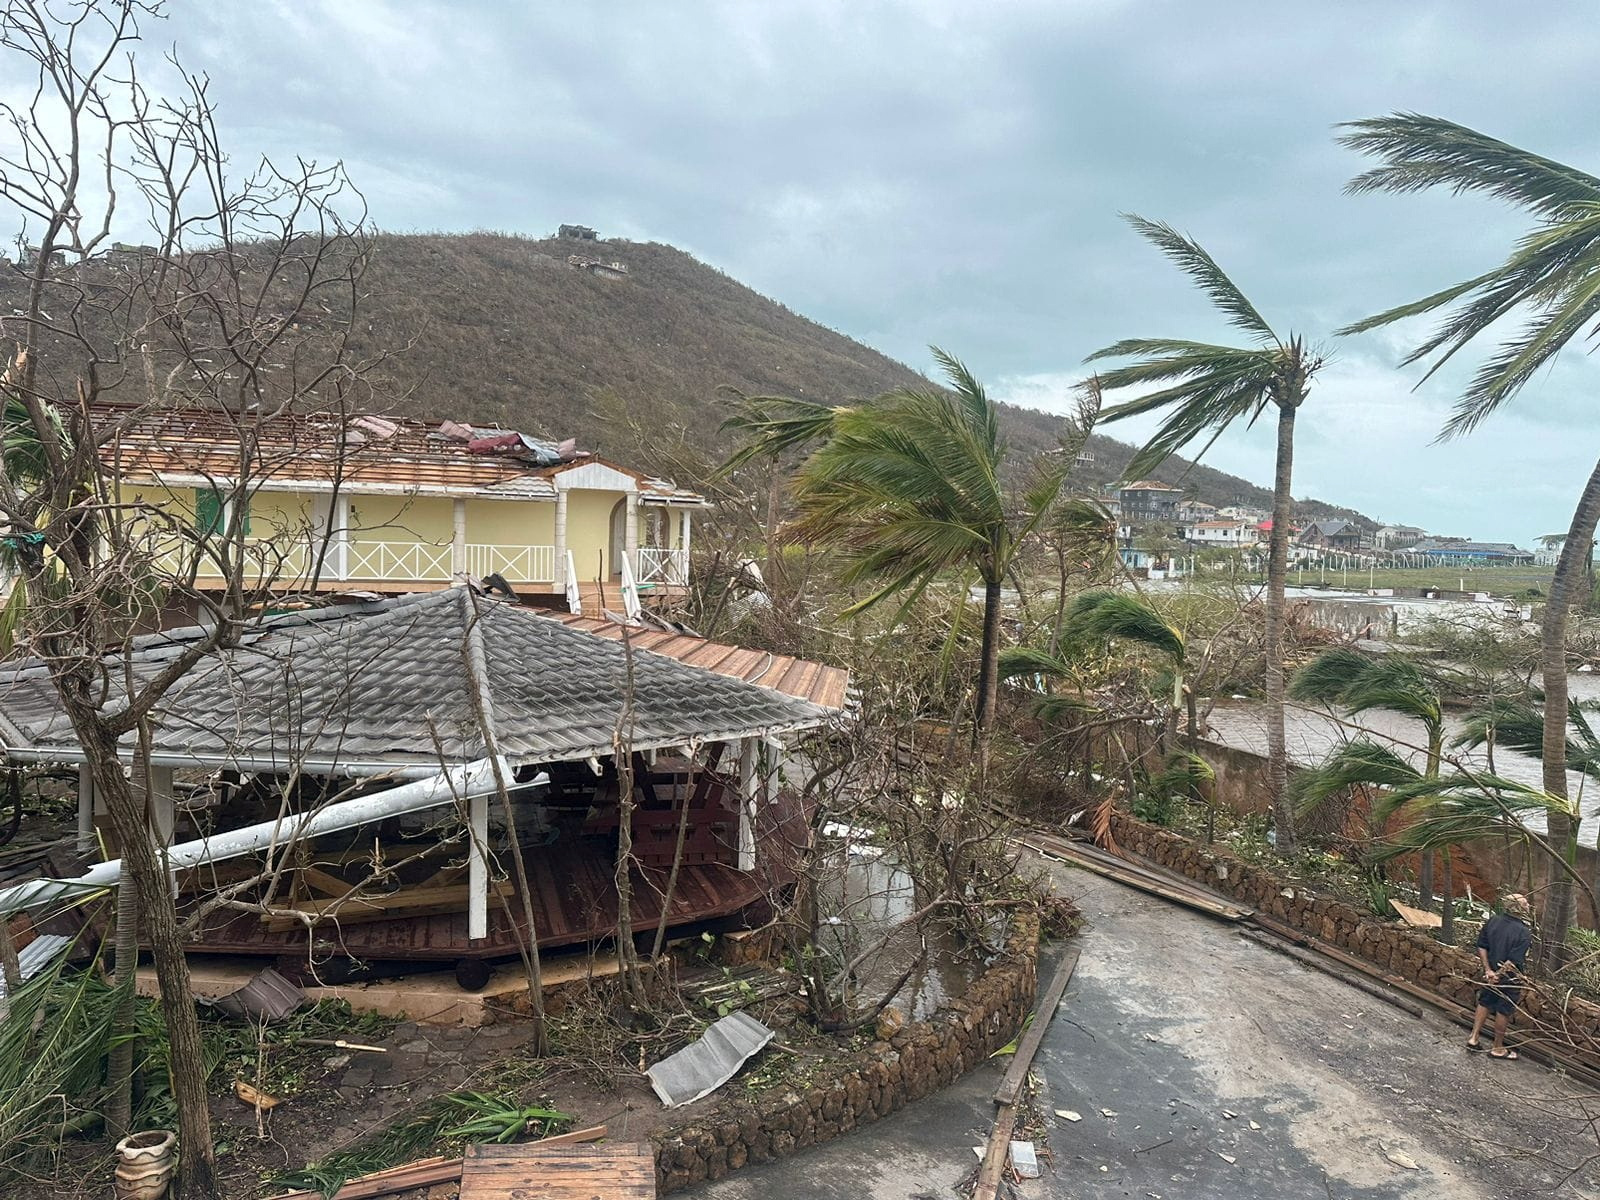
1172 1021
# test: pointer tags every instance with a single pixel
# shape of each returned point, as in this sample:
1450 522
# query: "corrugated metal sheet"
813 682
38 955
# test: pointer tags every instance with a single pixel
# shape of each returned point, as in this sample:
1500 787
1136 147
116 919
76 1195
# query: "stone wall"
1408 953
858 1088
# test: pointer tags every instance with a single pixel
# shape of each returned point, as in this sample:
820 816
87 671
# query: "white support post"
630 529
574 592
749 754
458 538
683 531
563 558
86 838
338 561
478 868
162 811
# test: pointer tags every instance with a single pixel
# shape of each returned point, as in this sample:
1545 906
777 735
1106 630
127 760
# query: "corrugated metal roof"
819 684
379 685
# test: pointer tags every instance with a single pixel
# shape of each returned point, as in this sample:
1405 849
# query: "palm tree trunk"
988 673
1569 573
1277 578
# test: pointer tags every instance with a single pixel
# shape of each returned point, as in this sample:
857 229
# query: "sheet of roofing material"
389 685
703 1066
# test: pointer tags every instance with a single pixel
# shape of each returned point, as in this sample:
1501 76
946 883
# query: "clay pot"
145 1166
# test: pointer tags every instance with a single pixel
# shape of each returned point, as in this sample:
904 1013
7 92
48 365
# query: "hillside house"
373 504
1331 535
1398 537
1231 535
1191 512
1242 512
1148 502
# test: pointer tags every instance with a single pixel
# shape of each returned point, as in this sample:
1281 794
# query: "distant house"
1230 534
1149 502
581 232
1192 511
1455 551
1331 535
1398 537
1242 512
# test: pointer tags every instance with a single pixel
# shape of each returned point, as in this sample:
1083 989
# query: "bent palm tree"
1203 389
1359 683
1552 276
908 488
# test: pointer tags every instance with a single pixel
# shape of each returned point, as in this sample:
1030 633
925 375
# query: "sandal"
1475 1047
1507 1056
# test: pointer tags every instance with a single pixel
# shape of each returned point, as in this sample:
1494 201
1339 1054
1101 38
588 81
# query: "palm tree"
1358 683
908 489
1552 277
1203 389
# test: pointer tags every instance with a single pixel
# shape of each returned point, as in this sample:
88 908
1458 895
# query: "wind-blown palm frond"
1199 266
1103 616
1552 272
1017 661
1355 764
1516 723
1420 152
1361 682
772 425
1462 807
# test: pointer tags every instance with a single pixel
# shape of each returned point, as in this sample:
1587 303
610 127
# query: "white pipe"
472 779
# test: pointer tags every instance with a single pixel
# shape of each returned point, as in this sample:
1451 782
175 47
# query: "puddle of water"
864 897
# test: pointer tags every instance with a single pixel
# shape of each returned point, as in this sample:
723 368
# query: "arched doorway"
618 542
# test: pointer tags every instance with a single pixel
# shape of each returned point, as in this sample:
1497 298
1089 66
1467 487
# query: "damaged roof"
364 453
378 687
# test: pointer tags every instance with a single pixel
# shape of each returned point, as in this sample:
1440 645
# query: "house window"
212 509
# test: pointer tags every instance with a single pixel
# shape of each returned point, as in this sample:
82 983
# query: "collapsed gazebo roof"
407 685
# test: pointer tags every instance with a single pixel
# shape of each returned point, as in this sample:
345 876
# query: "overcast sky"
953 172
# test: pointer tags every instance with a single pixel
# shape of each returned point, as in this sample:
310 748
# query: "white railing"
396 560
660 564
516 564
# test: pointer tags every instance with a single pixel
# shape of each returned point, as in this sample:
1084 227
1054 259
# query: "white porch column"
458 538
683 530
477 867
338 560
749 754
630 530
560 580
86 838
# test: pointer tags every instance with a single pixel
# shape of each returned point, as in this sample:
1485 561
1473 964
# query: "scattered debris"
255 1097
1227 1158
1066 1114
341 1044
1229 1114
1253 1125
268 996
703 1066
1108 1112
1024 1160
1416 917
1401 1159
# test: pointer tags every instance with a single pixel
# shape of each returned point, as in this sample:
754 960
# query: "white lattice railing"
394 560
660 564
516 564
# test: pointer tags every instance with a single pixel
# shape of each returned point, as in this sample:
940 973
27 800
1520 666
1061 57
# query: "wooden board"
613 1171
1017 1074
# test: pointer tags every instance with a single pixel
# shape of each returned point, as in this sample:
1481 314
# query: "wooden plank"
995 1154
1017 1074
1135 876
614 1171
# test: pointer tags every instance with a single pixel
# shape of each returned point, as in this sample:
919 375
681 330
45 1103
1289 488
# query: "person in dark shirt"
1502 953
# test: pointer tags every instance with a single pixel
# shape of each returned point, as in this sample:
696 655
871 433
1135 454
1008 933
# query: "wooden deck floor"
574 902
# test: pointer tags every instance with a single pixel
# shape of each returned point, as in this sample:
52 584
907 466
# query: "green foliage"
1356 763
1103 616
1203 388
53 1049
439 1121
1552 274
1361 682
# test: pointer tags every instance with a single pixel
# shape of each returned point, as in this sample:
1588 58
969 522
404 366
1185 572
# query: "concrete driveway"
1173 1022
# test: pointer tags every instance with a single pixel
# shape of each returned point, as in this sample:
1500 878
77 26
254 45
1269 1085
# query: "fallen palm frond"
488 1118
53 1047
1355 764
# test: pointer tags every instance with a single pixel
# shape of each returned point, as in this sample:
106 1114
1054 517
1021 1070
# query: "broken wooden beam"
1028 1044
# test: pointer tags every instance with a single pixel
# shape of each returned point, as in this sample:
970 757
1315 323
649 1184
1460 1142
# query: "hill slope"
504 330
495 328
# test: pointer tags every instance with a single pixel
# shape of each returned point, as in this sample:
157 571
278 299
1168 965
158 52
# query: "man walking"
1502 953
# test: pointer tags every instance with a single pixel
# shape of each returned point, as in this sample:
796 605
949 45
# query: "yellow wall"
426 519
589 531
511 522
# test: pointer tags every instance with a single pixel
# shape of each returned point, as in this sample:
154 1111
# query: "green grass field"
1501 581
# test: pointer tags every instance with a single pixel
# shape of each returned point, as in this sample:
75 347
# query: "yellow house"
380 505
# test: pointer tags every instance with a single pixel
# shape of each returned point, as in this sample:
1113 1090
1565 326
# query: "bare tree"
239 308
